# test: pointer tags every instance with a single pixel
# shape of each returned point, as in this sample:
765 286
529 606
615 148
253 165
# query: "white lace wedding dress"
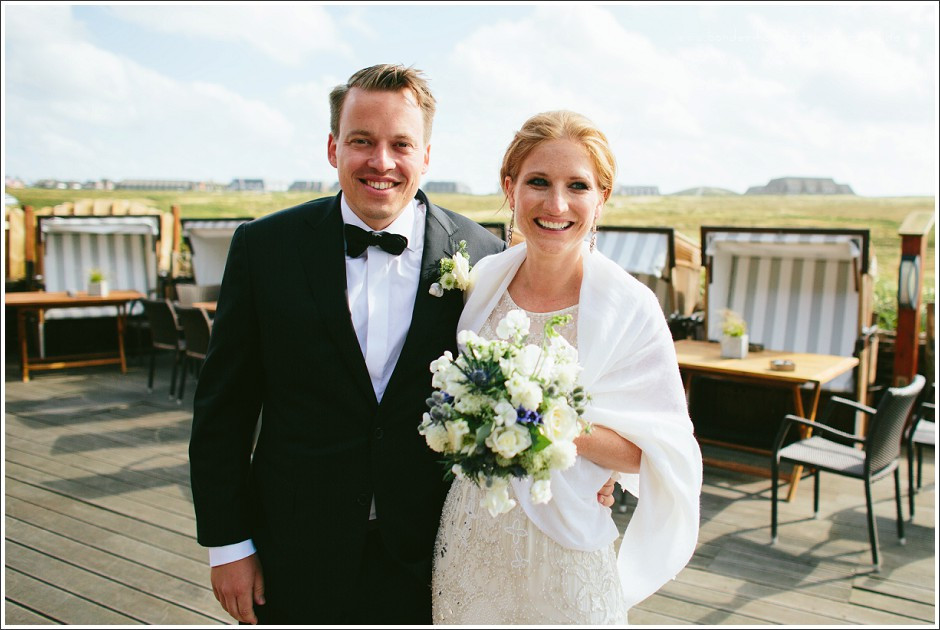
504 570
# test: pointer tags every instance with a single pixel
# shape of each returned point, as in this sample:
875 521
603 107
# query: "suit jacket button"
379 433
363 499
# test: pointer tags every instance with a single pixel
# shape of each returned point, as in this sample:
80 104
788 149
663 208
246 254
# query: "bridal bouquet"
505 408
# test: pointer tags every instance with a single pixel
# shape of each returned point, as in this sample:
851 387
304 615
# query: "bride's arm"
609 449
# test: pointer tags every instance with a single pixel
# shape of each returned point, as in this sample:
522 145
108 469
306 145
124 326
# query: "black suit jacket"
283 345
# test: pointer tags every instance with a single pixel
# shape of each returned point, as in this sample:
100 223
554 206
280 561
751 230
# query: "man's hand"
605 496
238 586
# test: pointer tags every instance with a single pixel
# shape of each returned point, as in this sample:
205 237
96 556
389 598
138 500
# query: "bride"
555 563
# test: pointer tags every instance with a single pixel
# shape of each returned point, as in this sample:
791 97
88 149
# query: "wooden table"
208 307
703 357
40 301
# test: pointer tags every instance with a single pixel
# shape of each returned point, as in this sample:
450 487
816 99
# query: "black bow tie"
358 239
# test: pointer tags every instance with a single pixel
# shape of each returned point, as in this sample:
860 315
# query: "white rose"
541 491
436 437
509 441
560 422
461 272
504 413
456 429
560 455
523 392
516 323
497 500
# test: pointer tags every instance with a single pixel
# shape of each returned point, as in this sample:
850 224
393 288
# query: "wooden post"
29 245
913 232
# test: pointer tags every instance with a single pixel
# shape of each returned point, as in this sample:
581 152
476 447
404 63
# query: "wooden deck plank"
149 533
68 607
62 474
14 614
119 504
174 564
168 598
141 606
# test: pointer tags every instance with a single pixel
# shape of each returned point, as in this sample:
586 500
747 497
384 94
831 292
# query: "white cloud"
70 93
286 33
801 101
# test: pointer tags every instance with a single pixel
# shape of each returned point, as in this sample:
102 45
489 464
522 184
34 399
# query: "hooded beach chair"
666 261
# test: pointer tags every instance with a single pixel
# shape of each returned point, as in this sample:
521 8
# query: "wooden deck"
99 527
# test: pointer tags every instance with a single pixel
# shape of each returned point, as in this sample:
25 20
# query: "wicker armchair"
836 452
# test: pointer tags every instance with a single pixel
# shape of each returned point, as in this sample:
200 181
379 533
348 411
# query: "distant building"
638 191
306 186
446 187
801 186
242 184
178 185
14 182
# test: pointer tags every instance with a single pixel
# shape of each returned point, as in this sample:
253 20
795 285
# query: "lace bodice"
538 320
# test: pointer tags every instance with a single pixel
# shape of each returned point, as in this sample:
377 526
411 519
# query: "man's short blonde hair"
387 78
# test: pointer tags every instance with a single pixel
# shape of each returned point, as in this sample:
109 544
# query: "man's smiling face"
380 154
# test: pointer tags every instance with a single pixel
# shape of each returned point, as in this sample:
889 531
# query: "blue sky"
689 95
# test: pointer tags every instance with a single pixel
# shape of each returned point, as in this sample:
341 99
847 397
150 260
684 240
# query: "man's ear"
331 150
427 159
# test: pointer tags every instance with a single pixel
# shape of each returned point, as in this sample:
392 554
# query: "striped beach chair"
209 241
659 257
123 247
798 290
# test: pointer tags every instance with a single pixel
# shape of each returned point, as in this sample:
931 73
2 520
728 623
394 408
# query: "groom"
333 518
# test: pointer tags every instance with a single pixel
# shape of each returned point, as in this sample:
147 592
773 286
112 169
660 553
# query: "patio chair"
921 432
209 241
835 451
196 331
166 334
659 257
187 294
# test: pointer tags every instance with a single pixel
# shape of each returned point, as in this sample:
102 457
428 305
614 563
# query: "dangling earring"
512 221
594 234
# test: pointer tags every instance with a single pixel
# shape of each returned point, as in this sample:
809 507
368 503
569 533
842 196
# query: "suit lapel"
322 250
439 242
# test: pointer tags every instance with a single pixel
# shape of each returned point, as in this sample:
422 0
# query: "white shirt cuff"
230 553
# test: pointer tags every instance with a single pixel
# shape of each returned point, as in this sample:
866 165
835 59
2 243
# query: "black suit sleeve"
227 404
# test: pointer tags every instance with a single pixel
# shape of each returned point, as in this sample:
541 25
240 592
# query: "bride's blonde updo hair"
557 125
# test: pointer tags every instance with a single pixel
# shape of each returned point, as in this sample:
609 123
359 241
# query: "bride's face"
556 197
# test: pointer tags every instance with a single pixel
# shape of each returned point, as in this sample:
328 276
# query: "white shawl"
631 373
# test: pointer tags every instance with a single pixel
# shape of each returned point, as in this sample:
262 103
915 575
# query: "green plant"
96 275
732 325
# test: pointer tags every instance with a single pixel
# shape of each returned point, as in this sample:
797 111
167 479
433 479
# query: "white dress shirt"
381 290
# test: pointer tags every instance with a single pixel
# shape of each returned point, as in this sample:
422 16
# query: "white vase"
98 288
734 347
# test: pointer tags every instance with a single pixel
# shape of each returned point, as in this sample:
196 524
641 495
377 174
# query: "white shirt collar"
406 224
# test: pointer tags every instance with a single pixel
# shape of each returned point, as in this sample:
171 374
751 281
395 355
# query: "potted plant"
97 283
733 336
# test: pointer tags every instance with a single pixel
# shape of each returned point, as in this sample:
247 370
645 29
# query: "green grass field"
882 216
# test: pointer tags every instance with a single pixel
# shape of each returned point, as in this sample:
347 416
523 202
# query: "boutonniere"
455 272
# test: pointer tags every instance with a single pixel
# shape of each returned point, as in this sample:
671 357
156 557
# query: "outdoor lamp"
908 281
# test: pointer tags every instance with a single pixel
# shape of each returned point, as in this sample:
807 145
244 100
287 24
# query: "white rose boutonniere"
455 272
